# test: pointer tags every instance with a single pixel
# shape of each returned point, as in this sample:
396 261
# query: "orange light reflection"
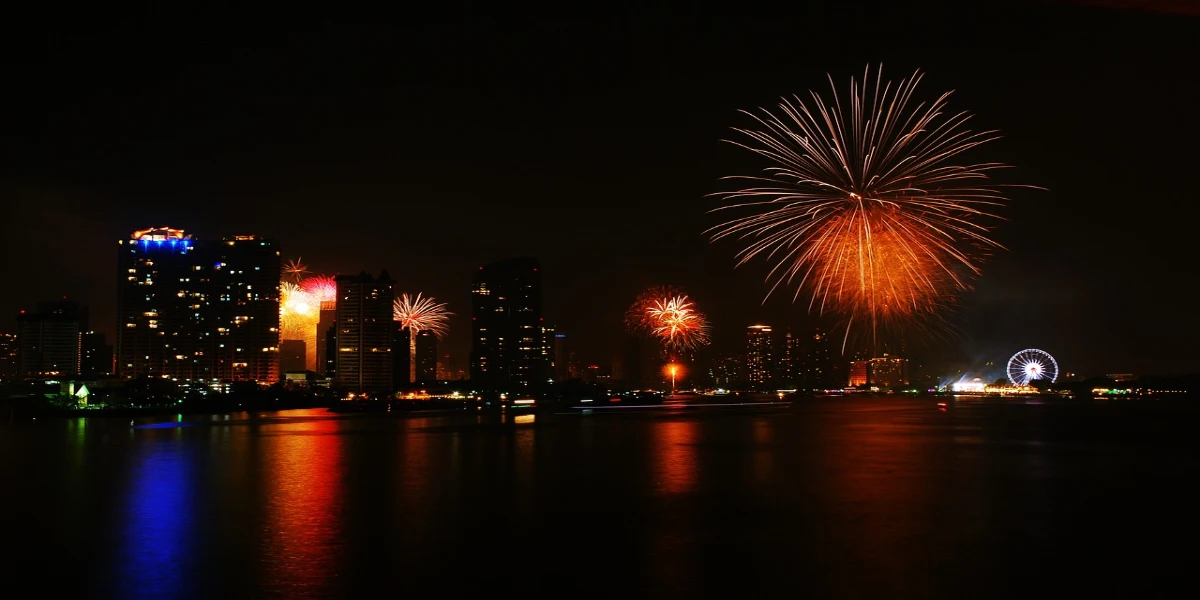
302 529
675 452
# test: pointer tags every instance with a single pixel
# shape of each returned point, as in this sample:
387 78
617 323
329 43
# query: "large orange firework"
667 314
865 204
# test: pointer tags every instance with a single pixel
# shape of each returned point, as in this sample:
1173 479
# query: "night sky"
429 143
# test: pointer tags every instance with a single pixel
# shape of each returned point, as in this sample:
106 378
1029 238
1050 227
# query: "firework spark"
296 270
418 313
865 204
669 316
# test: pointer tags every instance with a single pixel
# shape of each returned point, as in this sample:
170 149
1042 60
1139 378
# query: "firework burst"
296 270
297 309
865 204
667 314
420 313
300 306
321 288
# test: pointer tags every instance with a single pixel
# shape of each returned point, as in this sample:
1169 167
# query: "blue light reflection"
158 524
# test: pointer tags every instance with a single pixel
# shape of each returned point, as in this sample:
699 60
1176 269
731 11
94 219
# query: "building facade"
882 372
427 359
95 355
562 367
820 370
364 333
9 359
201 311
506 325
293 356
48 340
760 364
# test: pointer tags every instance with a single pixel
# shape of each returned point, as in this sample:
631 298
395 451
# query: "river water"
840 497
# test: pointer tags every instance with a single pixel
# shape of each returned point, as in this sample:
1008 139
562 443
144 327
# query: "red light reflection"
302 529
675 450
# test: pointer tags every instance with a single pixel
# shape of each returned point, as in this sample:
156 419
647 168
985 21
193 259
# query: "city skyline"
171 286
349 167
779 344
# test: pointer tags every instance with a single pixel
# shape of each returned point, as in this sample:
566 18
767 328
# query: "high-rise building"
548 338
8 355
331 352
426 356
819 370
883 372
245 281
95 355
403 369
48 340
293 355
759 363
198 310
888 371
790 358
860 373
365 333
506 325
562 370
324 324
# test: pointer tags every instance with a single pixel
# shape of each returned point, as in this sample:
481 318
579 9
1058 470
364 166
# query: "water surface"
846 497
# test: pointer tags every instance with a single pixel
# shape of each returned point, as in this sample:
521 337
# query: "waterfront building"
506 325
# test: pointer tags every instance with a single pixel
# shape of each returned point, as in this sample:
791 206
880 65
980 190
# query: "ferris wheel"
1032 364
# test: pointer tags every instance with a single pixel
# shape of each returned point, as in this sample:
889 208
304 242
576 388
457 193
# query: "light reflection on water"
156 540
850 497
302 527
675 455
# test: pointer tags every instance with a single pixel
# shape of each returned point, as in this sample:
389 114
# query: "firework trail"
667 315
418 313
865 204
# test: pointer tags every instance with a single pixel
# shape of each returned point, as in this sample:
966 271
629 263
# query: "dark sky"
429 143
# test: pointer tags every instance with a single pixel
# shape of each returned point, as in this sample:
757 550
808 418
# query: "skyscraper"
331 352
197 310
325 321
426 356
548 351
562 371
244 284
48 340
759 361
790 359
506 325
819 369
292 356
403 371
364 333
